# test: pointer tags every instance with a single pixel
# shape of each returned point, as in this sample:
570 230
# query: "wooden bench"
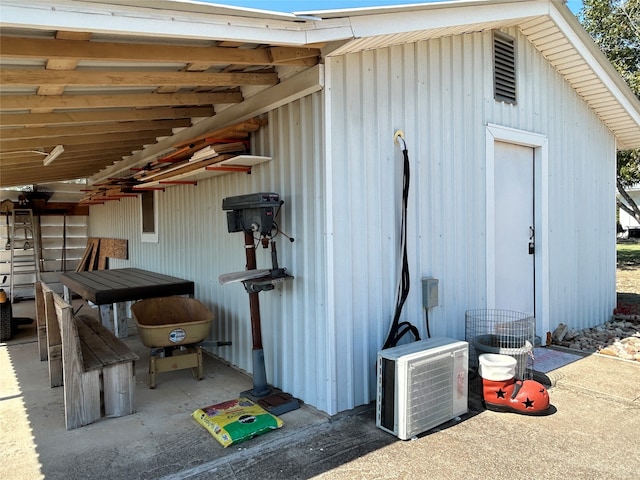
95 368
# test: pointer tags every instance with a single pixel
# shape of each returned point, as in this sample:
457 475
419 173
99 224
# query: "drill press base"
275 401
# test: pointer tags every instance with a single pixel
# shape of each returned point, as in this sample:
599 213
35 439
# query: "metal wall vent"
504 68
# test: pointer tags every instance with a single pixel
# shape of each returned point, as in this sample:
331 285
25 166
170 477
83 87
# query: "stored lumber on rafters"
221 151
191 174
240 130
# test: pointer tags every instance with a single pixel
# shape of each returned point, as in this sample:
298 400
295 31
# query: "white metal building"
627 221
488 176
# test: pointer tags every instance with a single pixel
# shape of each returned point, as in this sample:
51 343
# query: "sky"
289 6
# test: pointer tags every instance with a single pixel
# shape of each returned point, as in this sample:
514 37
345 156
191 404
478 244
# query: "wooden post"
41 322
54 340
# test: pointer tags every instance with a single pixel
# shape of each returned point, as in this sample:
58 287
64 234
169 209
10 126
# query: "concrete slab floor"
592 434
161 437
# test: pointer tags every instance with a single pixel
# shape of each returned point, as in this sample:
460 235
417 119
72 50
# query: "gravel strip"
619 337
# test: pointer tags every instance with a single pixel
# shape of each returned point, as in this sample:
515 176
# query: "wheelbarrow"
173 328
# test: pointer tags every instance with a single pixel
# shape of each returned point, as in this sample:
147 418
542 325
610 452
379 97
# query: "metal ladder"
24 252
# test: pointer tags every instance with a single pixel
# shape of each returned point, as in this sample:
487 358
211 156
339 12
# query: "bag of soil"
236 420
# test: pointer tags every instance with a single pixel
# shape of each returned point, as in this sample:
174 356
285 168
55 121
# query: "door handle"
532 241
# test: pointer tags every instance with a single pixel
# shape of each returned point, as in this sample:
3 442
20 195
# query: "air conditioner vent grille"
421 385
431 383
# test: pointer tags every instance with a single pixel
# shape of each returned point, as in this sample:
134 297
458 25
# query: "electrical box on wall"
429 292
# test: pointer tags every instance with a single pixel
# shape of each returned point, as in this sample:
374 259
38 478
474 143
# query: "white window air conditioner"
421 385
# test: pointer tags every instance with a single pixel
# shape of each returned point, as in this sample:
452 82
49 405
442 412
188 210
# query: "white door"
514 227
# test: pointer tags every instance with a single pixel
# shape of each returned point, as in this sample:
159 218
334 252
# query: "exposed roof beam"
22 102
44 132
96 116
110 146
39 176
61 64
38 48
17 163
67 165
114 78
12 145
84 152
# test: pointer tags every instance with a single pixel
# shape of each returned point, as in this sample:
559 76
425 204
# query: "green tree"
615 27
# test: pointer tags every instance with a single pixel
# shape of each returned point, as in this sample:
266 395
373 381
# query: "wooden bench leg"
41 322
82 399
42 341
53 340
55 366
119 383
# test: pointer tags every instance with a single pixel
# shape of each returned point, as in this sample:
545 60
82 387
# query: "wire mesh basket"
504 332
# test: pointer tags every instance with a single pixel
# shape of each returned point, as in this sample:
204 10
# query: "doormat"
548 359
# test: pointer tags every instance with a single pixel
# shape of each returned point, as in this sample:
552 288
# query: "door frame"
539 144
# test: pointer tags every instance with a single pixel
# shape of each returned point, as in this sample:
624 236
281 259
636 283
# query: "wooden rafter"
10 145
22 102
132 79
106 99
37 48
98 116
45 132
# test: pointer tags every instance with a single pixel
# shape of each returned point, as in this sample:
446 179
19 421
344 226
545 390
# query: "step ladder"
25 263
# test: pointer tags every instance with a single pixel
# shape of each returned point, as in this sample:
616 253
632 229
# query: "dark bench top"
124 284
100 348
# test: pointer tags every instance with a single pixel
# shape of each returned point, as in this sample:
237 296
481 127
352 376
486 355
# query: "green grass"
628 254
628 278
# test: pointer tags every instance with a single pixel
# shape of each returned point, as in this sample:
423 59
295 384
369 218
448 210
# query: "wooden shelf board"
235 163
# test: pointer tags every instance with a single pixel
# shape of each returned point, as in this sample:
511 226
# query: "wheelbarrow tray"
171 321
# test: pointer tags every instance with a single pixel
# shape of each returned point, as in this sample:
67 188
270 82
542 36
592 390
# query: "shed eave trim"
455 16
146 22
600 66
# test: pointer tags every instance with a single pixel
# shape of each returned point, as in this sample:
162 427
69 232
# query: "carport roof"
117 83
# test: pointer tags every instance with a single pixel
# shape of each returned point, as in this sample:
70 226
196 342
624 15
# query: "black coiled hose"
400 329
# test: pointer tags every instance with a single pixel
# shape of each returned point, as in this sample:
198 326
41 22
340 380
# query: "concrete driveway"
592 434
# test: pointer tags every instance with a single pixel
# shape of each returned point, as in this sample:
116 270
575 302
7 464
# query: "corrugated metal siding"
342 191
553 30
194 244
581 190
440 93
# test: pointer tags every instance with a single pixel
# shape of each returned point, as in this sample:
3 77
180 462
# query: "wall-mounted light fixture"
53 154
